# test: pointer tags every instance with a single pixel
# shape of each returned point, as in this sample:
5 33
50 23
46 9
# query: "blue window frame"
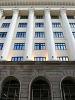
19 46
1 46
39 58
58 34
60 46
5 25
56 25
72 25
22 25
3 34
73 34
39 24
17 58
63 58
39 46
39 35
21 35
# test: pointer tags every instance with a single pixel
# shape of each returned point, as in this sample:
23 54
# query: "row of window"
20 58
40 88
37 46
40 24
37 34
40 17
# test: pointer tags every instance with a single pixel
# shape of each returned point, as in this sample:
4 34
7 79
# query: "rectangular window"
23 25
23 17
55 17
60 46
73 34
8 17
39 24
39 17
1 46
3 34
39 35
70 17
21 35
72 25
19 46
5 25
58 34
39 46
19 58
63 58
56 25
39 58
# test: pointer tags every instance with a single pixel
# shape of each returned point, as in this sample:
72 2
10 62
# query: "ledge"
37 63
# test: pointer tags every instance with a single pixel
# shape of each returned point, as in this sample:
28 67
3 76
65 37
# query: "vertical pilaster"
30 30
10 34
49 36
68 34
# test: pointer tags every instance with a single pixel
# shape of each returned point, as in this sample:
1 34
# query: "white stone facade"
58 27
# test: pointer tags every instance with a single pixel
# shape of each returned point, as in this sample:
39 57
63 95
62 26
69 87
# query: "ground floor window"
10 89
68 88
40 90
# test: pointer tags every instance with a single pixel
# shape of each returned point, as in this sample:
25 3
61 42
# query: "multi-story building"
37 50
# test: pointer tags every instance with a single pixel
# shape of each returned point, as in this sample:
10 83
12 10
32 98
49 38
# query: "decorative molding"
36 2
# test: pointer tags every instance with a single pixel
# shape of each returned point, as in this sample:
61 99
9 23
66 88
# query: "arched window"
40 90
68 88
10 89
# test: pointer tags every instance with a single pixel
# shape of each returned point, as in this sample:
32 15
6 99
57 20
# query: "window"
8 17
5 25
68 88
10 89
39 58
56 25
19 46
70 17
55 17
40 89
58 34
60 46
39 24
18 58
73 34
72 25
23 17
63 58
39 17
3 34
22 25
39 46
1 46
39 35
21 35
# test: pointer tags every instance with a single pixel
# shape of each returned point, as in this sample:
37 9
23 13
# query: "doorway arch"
68 88
40 89
10 89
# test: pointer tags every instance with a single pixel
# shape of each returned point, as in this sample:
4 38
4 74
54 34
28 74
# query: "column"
30 34
68 35
49 36
1 13
10 34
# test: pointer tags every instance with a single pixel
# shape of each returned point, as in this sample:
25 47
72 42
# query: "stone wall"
26 72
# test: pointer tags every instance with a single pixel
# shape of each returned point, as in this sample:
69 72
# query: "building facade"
37 45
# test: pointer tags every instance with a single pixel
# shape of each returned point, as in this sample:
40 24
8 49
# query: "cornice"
36 2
